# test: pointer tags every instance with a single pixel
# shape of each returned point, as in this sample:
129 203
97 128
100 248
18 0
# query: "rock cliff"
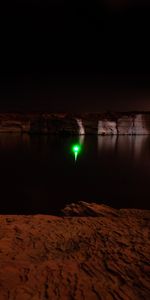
133 123
90 252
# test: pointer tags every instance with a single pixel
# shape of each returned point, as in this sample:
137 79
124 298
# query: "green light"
76 149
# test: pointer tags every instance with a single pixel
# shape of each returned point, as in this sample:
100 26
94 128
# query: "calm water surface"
38 174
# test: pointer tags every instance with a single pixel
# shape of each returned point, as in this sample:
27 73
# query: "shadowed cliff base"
90 252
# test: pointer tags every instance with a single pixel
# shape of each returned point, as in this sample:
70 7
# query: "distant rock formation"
90 252
84 209
107 127
126 123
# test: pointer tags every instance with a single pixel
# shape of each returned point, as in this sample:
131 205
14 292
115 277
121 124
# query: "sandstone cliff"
90 252
103 124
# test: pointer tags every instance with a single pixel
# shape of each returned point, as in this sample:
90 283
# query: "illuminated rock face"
81 127
101 124
16 123
133 125
107 127
140 125
125 125
91 252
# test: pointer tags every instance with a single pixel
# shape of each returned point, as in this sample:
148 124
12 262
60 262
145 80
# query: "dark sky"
75 55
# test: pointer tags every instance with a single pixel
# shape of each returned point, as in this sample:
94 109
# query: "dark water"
38 174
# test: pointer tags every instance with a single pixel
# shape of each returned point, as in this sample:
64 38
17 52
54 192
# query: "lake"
38 174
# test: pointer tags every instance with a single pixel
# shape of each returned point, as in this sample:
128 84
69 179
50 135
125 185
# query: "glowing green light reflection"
76 149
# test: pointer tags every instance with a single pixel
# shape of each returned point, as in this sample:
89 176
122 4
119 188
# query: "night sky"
74 55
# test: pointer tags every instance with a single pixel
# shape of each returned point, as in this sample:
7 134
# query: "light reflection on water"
38 174
81 139
107 143
125 145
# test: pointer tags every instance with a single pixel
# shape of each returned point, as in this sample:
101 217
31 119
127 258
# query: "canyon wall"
129 123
